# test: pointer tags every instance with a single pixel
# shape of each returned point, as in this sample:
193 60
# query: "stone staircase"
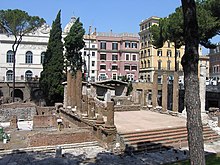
162 139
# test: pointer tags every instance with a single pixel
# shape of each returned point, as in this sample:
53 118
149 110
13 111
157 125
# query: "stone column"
85 105
110 115
73 92
100 119
69 83
176 92
91 108
202 87
13 122
79 91
65 98
155 90
164 93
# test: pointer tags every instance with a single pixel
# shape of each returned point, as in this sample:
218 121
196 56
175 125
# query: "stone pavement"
145 120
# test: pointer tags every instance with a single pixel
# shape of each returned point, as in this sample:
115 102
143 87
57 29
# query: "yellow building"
151 59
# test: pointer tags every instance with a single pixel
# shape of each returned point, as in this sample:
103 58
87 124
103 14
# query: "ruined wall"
22 111
45 110
44 121
127 108
44 139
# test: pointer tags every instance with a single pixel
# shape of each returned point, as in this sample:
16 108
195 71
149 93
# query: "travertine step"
155 140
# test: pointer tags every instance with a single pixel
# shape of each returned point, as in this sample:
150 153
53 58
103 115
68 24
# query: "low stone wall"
118 108
22 111
42 121
45 139
45 110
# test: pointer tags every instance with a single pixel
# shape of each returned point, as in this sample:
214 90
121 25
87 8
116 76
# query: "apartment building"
118 56
214 58
151 59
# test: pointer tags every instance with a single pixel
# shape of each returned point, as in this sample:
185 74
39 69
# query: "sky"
105 15
116 15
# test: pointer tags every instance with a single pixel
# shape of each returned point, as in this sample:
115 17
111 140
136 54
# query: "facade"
118 56
151 59
29 58
89 55
214 58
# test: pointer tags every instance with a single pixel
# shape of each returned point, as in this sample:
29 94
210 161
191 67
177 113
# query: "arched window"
10 56
142 65
28 75
42 57
9 75
29 57
145 64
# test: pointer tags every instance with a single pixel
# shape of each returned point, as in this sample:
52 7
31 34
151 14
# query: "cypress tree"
73 44
52 75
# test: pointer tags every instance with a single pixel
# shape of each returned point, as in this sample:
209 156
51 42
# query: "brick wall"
44 121
45 110
44 139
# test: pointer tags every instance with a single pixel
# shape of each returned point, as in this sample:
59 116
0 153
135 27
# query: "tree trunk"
191 81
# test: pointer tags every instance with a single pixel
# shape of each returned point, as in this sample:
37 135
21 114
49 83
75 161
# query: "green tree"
191 81
73 44
52 75
18 23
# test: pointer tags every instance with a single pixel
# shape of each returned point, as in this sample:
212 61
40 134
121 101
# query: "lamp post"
89 55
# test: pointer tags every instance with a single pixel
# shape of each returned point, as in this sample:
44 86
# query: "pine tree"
52 75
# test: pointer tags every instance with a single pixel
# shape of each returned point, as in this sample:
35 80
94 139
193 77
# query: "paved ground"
145 120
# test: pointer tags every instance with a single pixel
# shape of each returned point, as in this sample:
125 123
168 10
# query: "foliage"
73 44
18 23
52 75
171 28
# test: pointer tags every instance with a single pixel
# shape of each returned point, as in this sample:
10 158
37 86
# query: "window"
148 51
142 64
134 67
10 56
127 57
114 67
102 67
127 67
29 57
9 75
148 63
28 75
145 64
114 46
114 76
93 63
127 44
93 54
159 52
159 79
178 53
159 65
84 53
114 57
142 54
130 77
134 57
93 71
93 46
42 57
102 45
169 53
168 65
102 56
134 45
102 76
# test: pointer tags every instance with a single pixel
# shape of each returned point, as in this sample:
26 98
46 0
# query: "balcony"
19 79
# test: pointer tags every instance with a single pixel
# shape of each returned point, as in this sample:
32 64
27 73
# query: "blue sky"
116 15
